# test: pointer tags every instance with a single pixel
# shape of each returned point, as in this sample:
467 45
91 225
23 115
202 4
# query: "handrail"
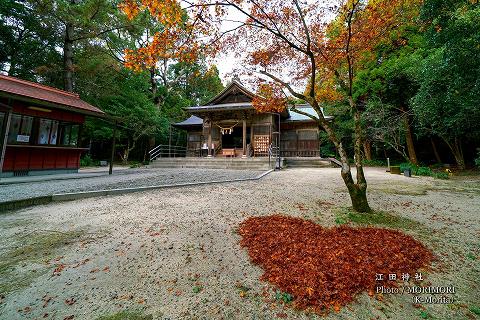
166 146
154 149
168 151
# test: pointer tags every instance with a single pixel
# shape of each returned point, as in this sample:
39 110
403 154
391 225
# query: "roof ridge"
38 85
228 86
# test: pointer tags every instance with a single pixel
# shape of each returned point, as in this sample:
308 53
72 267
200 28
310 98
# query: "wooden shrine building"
40 128
229 126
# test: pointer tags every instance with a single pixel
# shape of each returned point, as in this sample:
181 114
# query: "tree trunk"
409 137
13 66
126 153
457 151
12 71
357 191
154 87
435 151
151 143
367 149
359 195
68 57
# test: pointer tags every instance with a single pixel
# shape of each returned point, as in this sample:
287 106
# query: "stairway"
213 163
308 162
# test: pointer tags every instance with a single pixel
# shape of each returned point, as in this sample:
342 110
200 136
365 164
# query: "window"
20 129
74 134
69 134
40 131
47 131
54 132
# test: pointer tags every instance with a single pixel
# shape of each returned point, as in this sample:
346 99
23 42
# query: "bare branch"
294 109
285 84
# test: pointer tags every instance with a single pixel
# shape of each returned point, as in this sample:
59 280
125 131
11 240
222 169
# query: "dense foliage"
78 45
408 71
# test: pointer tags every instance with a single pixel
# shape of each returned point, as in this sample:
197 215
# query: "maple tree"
325 268
283 40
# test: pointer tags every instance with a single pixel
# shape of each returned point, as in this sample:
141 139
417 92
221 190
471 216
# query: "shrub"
135 164
477 160
327 150
440 175
423 171
87 161
408 165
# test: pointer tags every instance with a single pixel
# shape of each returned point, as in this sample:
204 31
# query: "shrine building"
229 126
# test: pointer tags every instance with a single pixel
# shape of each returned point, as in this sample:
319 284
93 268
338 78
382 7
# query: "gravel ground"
175 254
120 179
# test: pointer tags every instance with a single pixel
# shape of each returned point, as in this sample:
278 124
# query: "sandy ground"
122 178
175 254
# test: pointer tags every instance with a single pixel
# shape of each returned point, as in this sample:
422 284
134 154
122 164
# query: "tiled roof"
223 106
294 116
37 91
192 121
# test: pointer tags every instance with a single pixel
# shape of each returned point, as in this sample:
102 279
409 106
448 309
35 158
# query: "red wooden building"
40 128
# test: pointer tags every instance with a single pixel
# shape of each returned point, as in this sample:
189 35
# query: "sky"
226 63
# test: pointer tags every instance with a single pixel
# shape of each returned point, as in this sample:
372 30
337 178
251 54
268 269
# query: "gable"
235 92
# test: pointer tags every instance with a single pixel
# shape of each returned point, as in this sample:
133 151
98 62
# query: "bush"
423 171
135 164
327 151
408 165
477 160
87 161
440 175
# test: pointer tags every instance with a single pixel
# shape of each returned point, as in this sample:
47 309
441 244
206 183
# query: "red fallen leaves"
324 268
58 269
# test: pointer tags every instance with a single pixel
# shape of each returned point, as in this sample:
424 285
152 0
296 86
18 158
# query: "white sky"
227 62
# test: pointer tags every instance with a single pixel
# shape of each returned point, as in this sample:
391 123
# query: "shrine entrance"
235 139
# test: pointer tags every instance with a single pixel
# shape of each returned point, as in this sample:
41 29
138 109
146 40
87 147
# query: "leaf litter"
325 268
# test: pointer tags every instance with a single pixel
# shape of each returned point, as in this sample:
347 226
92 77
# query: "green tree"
387 86
449 76
119 92
27 42
77 21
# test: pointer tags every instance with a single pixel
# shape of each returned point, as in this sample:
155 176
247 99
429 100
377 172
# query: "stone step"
212 163
210 160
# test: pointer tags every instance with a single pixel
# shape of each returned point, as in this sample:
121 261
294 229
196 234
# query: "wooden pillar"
4 137
110 170
244 138
210 138
252 141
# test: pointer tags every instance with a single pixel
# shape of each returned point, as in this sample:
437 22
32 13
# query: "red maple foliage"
325 268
